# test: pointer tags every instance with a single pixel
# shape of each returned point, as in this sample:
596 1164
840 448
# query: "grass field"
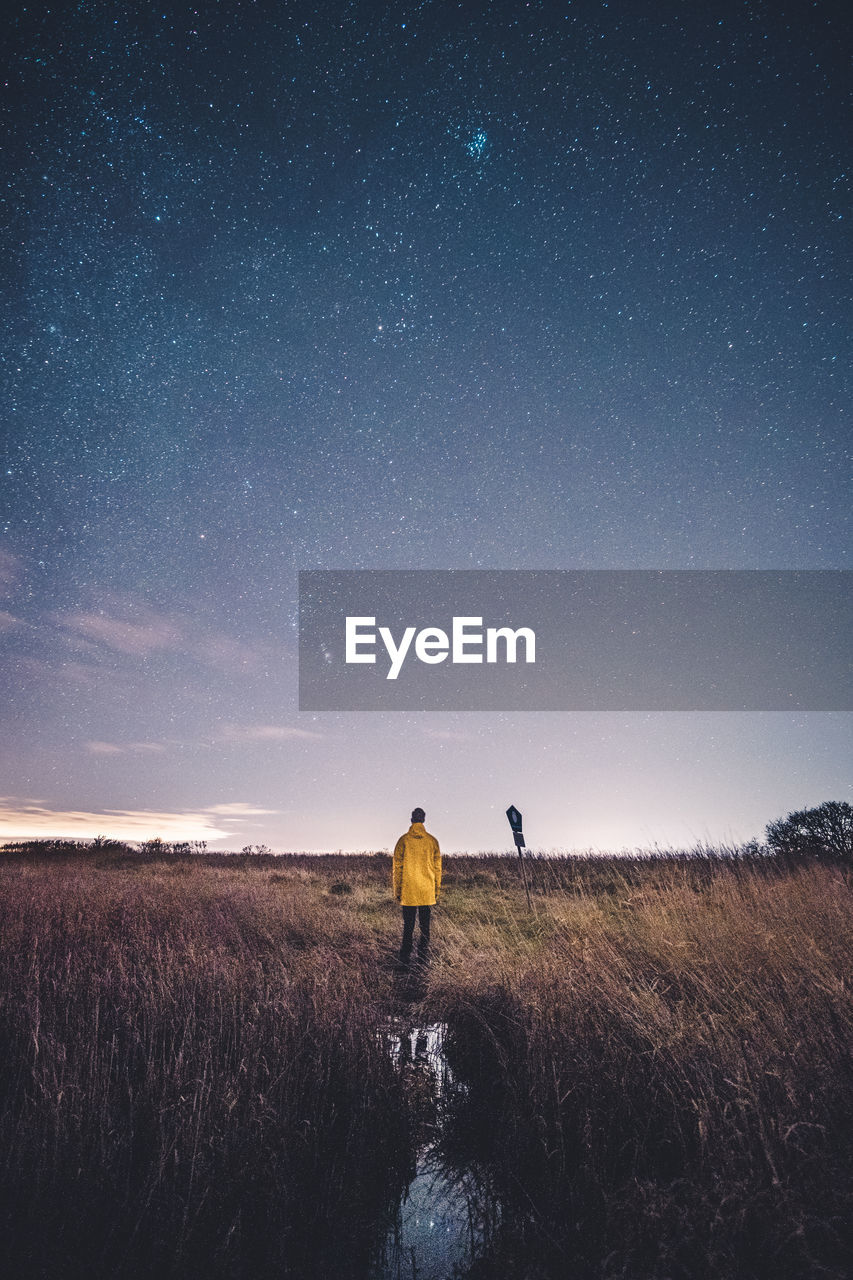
654 1065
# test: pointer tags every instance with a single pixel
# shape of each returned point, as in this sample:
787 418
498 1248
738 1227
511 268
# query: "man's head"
418 815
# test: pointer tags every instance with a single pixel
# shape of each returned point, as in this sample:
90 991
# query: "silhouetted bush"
825 832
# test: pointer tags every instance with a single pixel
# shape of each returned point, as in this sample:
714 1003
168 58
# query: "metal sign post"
514 816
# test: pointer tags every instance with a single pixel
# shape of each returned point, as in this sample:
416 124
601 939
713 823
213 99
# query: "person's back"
416 881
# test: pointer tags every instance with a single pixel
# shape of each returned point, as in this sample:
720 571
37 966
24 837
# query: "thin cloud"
129 626
8 621
237 810
29 819
120 749
137 639
450 735
265 733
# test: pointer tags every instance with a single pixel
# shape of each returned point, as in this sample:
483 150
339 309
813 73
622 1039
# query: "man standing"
417 880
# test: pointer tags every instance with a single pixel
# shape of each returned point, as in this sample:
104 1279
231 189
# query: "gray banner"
575 640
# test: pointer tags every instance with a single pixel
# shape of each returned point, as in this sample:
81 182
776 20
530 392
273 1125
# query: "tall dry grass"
660 1073
656 1065
193 1079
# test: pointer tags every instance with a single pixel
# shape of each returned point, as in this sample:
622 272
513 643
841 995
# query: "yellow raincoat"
417 868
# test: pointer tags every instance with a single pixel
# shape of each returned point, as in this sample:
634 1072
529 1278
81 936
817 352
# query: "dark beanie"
418 815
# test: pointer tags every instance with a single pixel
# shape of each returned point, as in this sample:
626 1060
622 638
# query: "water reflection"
444 1217
422 1049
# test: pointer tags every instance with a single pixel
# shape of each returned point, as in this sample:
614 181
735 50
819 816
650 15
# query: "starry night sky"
408 286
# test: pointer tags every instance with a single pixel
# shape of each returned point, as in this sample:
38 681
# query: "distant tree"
825 832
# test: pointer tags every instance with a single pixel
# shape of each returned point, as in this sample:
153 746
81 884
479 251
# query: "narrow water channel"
443 1219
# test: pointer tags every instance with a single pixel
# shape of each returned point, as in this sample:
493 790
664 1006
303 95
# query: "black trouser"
409 928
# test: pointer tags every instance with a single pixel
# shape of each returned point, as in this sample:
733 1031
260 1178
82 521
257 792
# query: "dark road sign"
514 816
